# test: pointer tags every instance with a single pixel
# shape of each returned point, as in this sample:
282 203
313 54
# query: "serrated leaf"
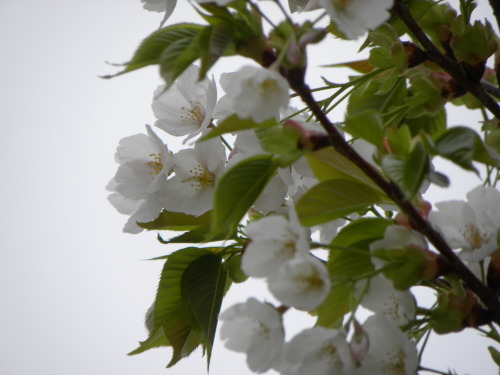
408 172
217 42
176 221
202 290
237 190
328 164
339 302
169 313
157 340
361 232
181 53
380 58
463 145
151 48
280 141
333 199
233 124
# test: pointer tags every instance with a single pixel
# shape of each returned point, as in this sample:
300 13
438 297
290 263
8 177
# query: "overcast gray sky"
74 288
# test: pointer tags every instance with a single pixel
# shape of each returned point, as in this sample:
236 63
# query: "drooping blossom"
160 6
356 17
317 351
186 107
472 227
196 170
254 328
253 92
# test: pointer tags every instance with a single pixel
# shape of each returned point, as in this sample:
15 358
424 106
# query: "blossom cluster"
305 204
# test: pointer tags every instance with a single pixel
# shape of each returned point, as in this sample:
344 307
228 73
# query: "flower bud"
359 344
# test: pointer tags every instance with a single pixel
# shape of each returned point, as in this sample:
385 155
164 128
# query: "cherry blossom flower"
253 92
186 107
472 227
274 240
196 170
254 328
355 17
390 352
302 282
317 351
382 298
160 6
145 163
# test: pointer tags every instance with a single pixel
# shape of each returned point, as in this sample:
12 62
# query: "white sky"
73 287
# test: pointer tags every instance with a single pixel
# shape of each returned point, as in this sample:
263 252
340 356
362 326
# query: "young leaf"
202 289
333 199
280 141
237 190
151 48
196 235
463 145
181 53
169 313
157 340
216 42
409 171
328 164
177 221
366 125
338 303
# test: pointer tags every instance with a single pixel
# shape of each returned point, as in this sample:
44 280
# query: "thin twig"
449 66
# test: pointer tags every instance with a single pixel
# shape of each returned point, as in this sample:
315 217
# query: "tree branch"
449 66
490 300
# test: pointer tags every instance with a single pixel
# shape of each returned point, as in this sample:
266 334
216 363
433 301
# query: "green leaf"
339 302
333 199
328 164
463 145
202 290
215 44
366 125
233 124
169 313
196 235
151 48
181 53
408 172
495 354
157 340
281 141
237 190
350 256
176 221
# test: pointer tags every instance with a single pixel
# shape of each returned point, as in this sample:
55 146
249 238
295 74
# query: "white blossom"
186 107
382 298
472 227
196 170
317 351
274 240
160 6
253 92
390 351
355 17
302 282
254 328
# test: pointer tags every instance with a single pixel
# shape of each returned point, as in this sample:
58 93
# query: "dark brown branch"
490 300
449 66
491 89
